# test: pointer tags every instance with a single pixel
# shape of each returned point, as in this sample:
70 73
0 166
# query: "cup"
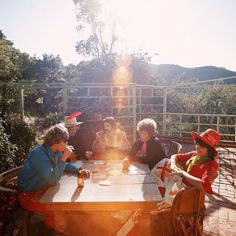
80 180
126 164
88 154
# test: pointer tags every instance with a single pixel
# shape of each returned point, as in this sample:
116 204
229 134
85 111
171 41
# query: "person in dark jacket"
148 148
76 139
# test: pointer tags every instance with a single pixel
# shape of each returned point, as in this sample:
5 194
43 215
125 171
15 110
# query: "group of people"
112 142
46 163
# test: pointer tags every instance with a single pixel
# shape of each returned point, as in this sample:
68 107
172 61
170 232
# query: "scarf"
144 149
196 160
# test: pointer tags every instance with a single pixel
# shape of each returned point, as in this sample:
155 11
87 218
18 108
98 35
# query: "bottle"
126 164
80 180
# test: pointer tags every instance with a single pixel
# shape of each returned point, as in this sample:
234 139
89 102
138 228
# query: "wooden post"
144 223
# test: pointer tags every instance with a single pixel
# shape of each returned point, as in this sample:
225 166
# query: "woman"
147 149
199 168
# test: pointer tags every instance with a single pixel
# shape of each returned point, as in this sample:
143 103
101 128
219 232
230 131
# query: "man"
110 143
43 168
75 137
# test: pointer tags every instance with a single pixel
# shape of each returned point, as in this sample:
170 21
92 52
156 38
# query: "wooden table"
129 190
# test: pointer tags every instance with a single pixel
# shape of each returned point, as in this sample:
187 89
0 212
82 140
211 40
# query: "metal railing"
129 104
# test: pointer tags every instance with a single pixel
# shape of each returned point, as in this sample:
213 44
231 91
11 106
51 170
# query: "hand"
139 154
84 173
178 171
67 152
72 157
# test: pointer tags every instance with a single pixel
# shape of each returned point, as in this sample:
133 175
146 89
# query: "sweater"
43 168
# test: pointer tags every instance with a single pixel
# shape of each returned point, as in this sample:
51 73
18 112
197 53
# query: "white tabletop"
132 189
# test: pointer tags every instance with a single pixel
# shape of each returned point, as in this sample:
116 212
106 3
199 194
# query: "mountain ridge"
171 73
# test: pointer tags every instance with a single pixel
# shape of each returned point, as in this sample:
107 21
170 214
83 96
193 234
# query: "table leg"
144 223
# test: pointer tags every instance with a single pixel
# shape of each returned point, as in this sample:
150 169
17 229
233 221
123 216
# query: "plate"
105 182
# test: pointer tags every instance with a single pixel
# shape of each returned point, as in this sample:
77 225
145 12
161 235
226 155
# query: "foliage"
16 140
8 60
210 100
20 67
51 119
100 42
23 142
49 69
215 99
7 149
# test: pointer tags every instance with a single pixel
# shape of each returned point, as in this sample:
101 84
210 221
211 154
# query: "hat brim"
72 125
196 135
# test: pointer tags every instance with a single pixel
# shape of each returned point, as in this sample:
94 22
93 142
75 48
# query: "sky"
188 33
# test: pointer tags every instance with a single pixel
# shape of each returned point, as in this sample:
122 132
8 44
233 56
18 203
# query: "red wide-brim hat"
210 137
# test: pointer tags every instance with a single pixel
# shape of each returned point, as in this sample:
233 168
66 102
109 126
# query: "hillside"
167 73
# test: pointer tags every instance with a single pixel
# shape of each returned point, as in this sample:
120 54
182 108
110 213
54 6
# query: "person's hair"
211 151
110 120
148 125
55 135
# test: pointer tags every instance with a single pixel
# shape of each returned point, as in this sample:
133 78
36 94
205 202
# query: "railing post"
180 121
164 110
198 122
235 131
22 112
217 123
65 98
134 110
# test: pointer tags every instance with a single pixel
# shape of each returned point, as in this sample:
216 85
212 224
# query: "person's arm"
174 165
133 151
210 174
178 160
192 180
42 165
98 146
125 145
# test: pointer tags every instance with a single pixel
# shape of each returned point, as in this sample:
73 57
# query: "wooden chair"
188 212
184 217
174 148
9 193
9 178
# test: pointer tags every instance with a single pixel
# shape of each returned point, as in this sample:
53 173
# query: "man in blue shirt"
46 163
44 167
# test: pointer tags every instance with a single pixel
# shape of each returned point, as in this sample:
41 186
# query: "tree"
11 69
49 69
99 44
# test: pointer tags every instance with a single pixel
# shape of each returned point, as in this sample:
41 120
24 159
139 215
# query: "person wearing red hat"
75 136
199 168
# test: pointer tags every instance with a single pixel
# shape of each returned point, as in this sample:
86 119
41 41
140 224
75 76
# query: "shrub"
24 137
52 119
7 150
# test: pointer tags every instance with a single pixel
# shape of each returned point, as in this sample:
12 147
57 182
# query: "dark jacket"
155 152
77 142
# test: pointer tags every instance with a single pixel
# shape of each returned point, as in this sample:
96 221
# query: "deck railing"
129 104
